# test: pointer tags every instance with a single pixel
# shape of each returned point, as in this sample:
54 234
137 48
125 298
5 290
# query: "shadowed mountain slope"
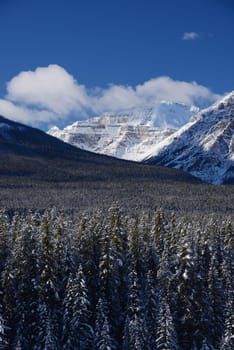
26 151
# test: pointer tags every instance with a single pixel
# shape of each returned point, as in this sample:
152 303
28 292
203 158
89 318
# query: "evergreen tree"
21 287
3 333
110 281
49 292
67 338
206 345
86 250
158 232
202 307
185 283
102 334
135 334
228 338
217 301
118 251
63 265
166 333
48 289
164 274
135 256
4 238
151 310
77 330
229 256
47 338
148 253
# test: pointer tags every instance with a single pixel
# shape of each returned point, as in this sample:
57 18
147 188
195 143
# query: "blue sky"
109 51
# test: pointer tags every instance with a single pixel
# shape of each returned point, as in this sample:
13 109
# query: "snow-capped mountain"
127 135
204 146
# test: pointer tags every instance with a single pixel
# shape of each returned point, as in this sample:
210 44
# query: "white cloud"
26 115
48 87
190 36
115 98
165 88
51 95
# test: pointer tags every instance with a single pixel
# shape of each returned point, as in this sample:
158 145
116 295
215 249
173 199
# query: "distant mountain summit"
130 134
204 146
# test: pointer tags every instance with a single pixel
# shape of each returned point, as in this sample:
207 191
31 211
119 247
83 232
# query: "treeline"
111 281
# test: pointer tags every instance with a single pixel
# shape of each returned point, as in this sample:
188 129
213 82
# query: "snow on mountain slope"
204 146
128 135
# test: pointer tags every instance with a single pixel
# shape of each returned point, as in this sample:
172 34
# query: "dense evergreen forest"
112 280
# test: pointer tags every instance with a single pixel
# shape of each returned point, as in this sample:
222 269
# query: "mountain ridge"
204 146
30 152
128 134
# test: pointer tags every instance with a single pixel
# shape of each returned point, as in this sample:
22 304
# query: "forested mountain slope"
25 151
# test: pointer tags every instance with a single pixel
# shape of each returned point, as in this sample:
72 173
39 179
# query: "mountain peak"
227 100
127 134
204 146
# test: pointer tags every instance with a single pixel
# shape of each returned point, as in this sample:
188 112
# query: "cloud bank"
51 88
50 95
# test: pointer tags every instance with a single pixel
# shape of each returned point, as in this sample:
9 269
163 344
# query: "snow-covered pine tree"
164 274
86 250
67 336
206 345
118 233
3 333
22 286
229 256
185 282
166 279
102 333
110 281
63 264
202 307
62 261
46 337
172 229
135 256
149 258
151 308
47 263
166 337
227 342
135 335
217 301
79 305
107 266
48 289
158 232
4 238
118 248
